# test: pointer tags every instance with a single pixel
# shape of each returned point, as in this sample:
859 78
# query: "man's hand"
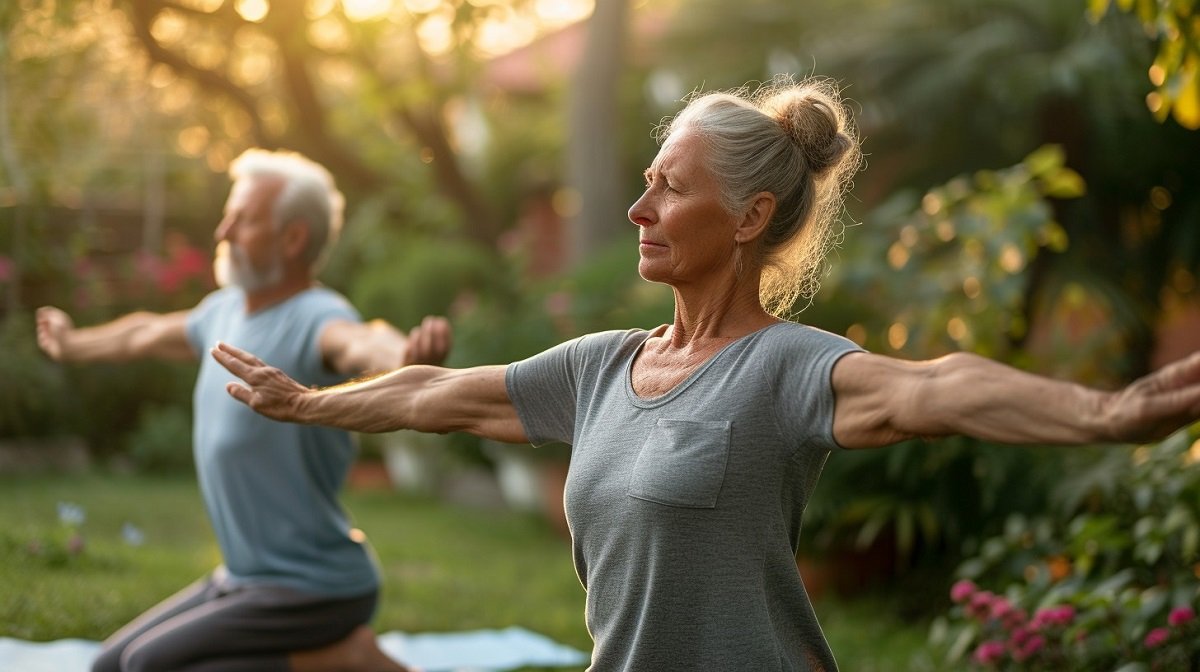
428 342
375 347
267 390
53 326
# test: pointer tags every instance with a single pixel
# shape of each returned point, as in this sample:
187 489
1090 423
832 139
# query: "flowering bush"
1086 630
1110 586
65 544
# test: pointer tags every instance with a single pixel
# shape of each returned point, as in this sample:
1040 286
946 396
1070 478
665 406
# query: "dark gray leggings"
206 627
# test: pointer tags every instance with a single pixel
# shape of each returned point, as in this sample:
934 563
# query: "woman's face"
687 237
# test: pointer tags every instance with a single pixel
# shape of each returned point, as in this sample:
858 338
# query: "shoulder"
221 297
324 296
217 301
792 337
600 342
324 303
575 357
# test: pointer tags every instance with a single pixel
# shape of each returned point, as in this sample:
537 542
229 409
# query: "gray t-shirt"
270 487
685 509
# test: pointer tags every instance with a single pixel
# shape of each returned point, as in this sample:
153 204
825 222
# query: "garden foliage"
1107 580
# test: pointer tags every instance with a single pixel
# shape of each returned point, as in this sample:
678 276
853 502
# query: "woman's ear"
756 219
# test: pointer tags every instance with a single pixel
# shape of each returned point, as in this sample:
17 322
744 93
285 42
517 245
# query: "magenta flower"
1053 616
1015 618
1180 615
1156 637
1001 607
989 653
962 591
980 604
1025 647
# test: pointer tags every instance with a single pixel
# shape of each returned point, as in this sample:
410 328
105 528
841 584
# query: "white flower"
71 514
132 535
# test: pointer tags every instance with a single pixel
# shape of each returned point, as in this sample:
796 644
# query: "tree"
593 161
1176 69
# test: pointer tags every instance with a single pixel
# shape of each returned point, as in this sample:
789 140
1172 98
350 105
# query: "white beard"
231 267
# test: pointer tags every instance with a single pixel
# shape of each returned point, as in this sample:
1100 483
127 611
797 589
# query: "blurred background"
1030 194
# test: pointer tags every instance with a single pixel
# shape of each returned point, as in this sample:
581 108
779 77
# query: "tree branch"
142 14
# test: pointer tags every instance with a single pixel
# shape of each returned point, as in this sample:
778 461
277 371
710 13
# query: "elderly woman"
697 444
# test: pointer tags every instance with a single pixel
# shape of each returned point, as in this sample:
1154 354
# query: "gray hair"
308 193
795 140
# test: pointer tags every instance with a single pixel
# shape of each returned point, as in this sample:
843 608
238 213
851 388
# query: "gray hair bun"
809 115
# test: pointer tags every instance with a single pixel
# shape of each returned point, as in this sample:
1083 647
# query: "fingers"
239 362
428 342
1180 374
51 325
436 344
239 392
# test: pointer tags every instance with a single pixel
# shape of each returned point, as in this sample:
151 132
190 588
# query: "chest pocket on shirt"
682 463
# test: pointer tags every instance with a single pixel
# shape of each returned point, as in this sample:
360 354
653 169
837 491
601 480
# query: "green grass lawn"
446 567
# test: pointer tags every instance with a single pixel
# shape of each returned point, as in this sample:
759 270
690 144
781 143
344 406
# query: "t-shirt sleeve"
543 390
546 388
198 322
804 396
328 306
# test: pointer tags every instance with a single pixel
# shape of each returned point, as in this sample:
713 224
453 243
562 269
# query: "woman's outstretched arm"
881 400
424 398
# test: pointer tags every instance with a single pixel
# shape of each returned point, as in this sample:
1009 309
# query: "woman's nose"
640 213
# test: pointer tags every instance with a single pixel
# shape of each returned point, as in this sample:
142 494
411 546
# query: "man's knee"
147 656
108 660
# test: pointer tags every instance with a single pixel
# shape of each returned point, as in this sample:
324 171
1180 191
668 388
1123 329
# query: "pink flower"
6 268
1052 616
1180 615
1001 608
1015 618
980 604
1025 646
962 590
989 653
1156 637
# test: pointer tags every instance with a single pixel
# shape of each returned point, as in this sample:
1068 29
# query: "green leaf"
961 643
1097 9
1045 159
1063 183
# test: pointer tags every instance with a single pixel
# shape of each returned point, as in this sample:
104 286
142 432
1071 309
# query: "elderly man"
297 586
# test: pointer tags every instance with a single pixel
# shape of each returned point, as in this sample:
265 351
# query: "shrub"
1108 583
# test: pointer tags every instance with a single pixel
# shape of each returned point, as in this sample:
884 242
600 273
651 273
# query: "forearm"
968 395
422 398
133 336
370 349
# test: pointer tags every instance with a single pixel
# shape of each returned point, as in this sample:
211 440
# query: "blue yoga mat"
471 651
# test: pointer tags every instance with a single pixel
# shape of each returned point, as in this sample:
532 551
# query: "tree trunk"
593 164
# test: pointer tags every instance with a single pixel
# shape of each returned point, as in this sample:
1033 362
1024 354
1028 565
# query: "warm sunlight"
365 10
559 12
252 10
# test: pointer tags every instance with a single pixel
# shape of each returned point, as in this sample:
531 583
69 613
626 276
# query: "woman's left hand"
1156 405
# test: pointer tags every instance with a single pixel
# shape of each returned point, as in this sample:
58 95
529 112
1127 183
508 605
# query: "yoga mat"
470 651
